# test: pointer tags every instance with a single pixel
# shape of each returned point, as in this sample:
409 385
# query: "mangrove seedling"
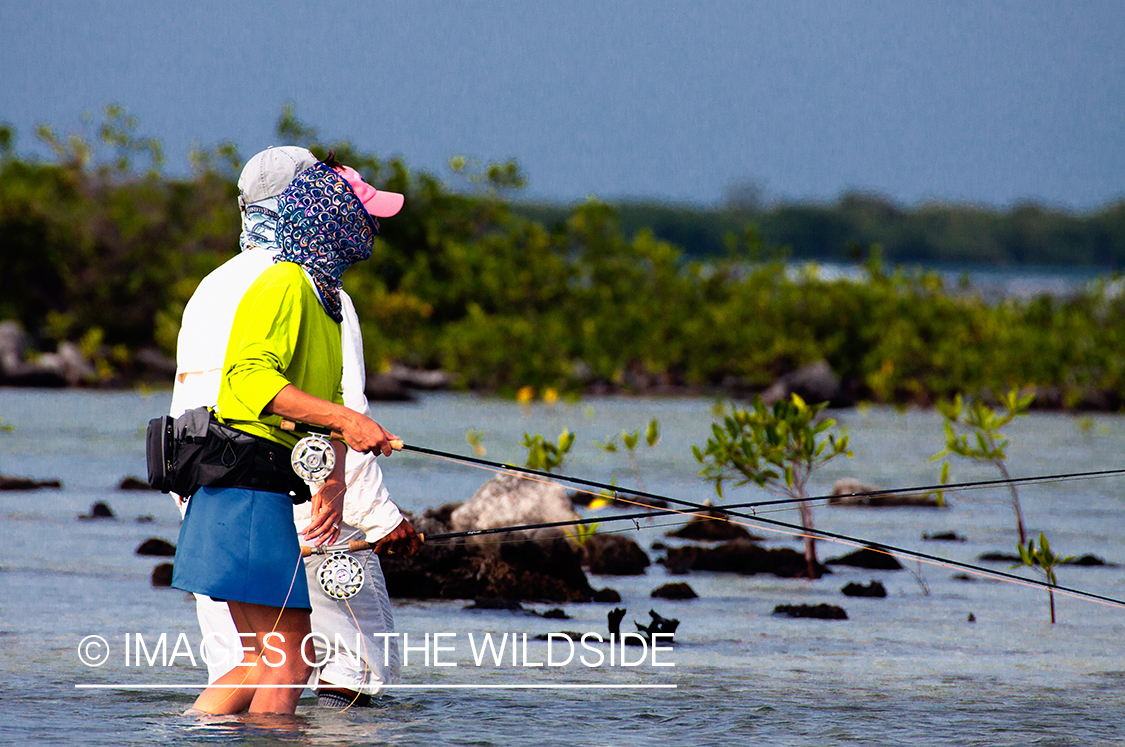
581 533
776 449
1042 560
973 432
475 439
544 455
630 441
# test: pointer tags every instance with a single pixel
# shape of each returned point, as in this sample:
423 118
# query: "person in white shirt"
351 674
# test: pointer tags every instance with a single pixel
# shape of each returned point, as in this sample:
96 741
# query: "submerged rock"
851 492
157 547
674 591
133 483
99 510
26 483
868 558
816 612
614 555
873 589
740 556
162 575
711 527
942 537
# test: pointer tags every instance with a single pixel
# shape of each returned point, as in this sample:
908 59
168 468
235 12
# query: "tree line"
97 246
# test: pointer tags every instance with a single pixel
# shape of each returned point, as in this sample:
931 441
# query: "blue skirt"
239 545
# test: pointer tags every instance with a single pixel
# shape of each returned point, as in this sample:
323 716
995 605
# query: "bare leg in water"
273 638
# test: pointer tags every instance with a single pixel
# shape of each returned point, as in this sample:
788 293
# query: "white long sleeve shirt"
201 349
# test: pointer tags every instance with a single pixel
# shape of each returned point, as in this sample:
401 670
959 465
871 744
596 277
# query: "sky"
983 102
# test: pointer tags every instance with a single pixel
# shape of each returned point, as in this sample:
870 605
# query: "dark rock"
26 483
740 556
493 603
816 612
711 527
162 575
146 519
99 510
658 545
964 577
555 613
943 537
134 483
547 569
851 492
873 589
1089 560
868 558
972 618
571 634
814 383
384 388
614 555
158 547
606 596
674 591
999 557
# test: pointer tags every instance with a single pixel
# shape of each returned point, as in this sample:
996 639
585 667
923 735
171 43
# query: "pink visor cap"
378 203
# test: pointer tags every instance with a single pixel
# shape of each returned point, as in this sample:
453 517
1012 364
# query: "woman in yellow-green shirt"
283 361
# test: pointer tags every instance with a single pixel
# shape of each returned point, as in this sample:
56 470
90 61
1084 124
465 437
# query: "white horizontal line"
507 686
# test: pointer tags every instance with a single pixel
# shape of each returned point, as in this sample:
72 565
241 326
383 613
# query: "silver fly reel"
313 458
341 576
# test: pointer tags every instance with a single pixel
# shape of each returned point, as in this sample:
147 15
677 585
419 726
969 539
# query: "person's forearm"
293 404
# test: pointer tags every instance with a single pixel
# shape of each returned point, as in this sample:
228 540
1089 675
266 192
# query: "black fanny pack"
195 450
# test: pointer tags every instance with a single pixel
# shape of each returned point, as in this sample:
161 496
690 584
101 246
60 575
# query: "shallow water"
908 669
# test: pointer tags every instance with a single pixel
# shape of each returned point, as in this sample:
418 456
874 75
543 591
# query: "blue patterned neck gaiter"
323 227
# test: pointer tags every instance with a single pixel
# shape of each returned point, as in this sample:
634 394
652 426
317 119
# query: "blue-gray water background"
908 669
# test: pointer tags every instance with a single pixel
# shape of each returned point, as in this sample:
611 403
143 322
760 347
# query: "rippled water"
908 669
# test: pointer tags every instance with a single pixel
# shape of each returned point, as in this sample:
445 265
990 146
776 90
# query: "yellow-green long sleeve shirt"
281 335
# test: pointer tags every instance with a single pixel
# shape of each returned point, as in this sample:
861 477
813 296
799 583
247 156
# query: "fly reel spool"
313 458
341 576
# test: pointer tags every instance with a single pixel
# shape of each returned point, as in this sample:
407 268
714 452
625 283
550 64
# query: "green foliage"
1044 561
544 455
503 297
581 533
775 448
475 439
973 432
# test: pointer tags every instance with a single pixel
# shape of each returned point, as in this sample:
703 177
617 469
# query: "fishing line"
802 531
614 489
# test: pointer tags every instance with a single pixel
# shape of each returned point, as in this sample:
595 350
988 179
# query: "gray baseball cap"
268 173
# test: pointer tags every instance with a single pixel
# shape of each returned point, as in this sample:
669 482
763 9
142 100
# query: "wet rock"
162 575
26 483
740 556
873 589
814 383
972 618
157 547
816 612
99 510
1090 561
964 577
851 492
674 591
444 512
146 519
943 537
133 483
546 569
507 500
711 527
555 613
614 555
606 596
999 557
868 558
658 545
